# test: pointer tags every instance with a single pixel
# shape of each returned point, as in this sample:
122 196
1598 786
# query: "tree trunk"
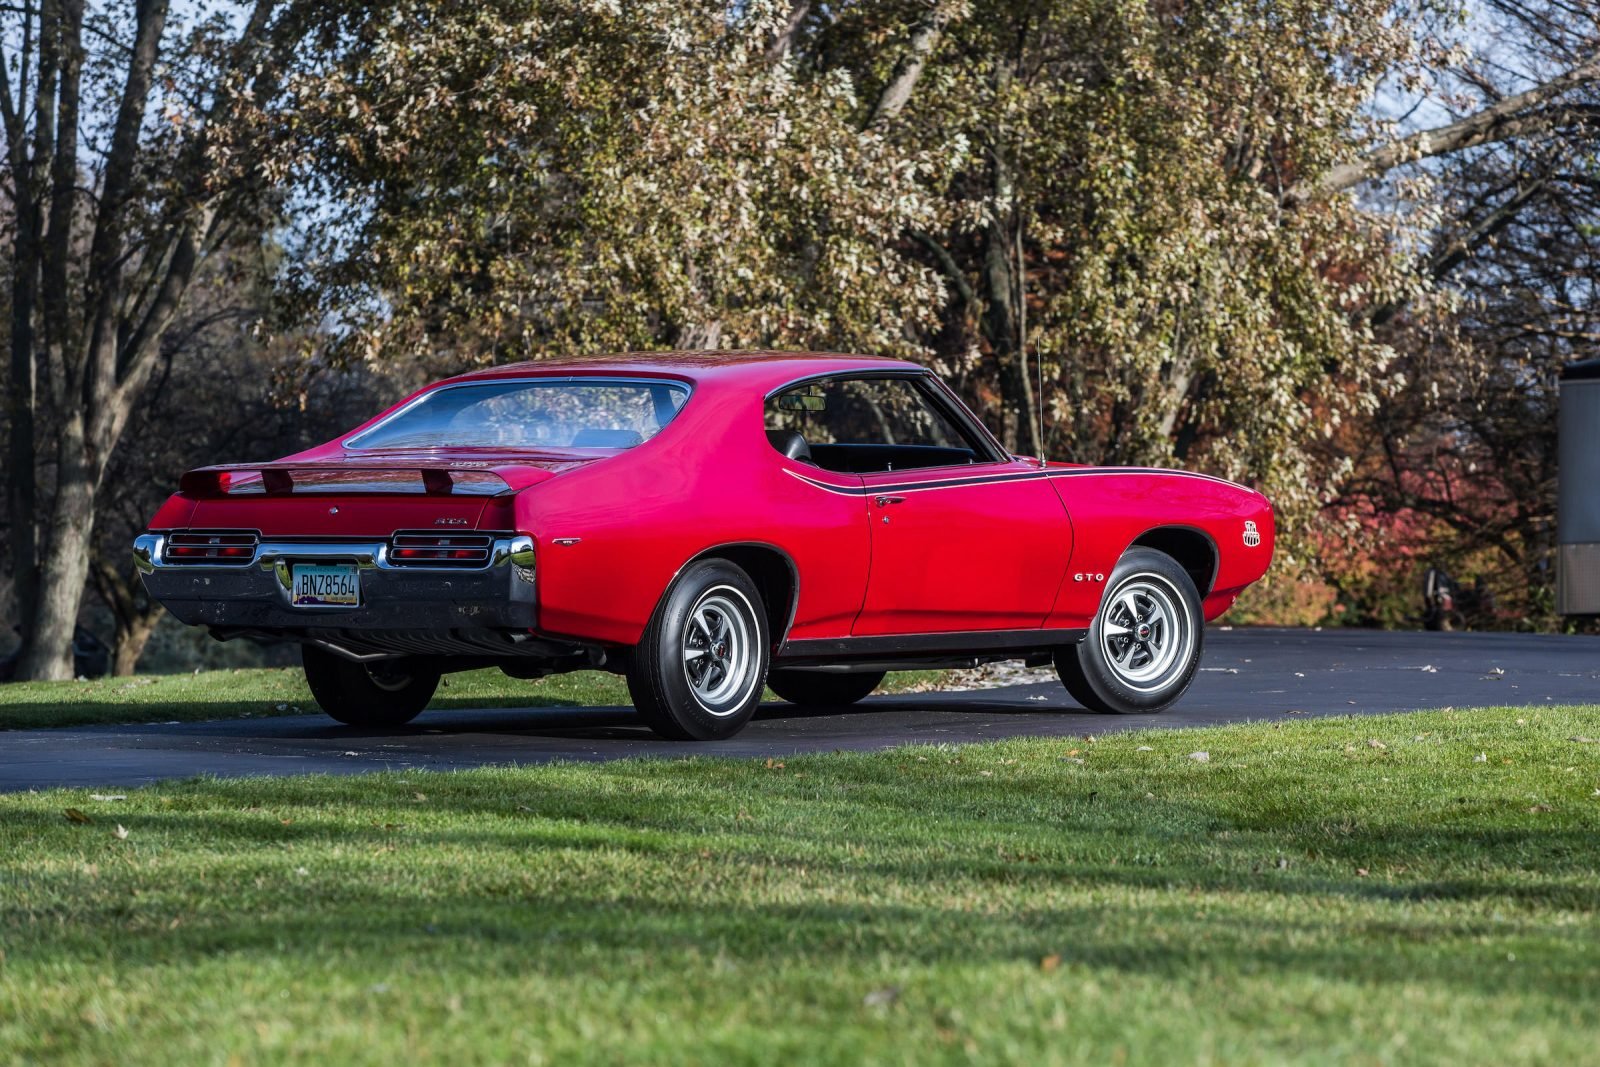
67 537
131 637
136 614
22 457
908 71
1003 295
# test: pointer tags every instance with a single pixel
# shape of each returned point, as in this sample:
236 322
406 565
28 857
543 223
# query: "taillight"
214 547
440 550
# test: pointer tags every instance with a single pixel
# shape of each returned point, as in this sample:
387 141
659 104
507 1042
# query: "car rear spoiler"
344 479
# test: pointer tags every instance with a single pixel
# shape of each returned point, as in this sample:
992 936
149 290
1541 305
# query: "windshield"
531 414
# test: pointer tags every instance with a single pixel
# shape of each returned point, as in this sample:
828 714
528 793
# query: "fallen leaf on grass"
1580 739
1481 757
882 998
1050 962
773 765
74 815
1200 757
420 797
1375 743
1144 748
1538 808
108 796
119 833
1361 872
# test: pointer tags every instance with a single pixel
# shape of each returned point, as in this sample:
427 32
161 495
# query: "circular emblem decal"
1252 536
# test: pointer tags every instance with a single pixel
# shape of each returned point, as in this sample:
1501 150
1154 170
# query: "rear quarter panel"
708 479
1111 508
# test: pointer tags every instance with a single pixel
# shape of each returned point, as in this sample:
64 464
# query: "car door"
963 537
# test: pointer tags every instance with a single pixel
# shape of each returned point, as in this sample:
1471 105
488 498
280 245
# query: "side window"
862 425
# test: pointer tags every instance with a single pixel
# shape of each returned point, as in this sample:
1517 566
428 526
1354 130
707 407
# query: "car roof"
763 368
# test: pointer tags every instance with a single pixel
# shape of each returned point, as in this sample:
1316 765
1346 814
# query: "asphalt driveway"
1247 675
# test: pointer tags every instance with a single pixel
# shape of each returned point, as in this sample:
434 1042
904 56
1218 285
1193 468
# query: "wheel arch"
773 571
1192 548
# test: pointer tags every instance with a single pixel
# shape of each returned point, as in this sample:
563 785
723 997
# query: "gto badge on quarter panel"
1252 536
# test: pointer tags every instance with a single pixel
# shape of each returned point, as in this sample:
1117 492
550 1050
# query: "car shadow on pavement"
623 723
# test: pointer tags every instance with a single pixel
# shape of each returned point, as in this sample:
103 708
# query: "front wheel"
823 689
384 693
1143 648
698 670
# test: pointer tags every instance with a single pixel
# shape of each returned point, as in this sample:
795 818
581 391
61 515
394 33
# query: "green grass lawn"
247 694
1406 889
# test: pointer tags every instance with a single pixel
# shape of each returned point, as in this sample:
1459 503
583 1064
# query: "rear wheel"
1143 648
820 689
384 693
697 672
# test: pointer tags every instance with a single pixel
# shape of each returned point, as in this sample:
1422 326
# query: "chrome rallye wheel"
698 670
1143 647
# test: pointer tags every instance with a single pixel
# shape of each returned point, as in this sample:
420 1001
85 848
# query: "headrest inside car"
791 444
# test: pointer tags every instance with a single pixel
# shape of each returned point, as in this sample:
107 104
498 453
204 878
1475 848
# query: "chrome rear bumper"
254 593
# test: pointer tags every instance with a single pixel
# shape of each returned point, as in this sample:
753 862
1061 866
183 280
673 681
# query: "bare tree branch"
784 41
1513 116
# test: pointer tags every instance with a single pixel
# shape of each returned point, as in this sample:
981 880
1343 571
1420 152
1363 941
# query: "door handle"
885 501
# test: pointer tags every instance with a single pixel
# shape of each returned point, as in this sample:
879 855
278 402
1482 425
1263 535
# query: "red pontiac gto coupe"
702 523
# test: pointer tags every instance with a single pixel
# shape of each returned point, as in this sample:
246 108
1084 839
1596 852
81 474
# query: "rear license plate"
325 585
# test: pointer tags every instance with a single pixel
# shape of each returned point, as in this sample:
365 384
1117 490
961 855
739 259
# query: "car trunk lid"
364 496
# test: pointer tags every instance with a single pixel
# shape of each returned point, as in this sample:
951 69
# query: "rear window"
531 414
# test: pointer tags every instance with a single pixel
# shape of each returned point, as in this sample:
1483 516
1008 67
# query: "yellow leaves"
73 815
